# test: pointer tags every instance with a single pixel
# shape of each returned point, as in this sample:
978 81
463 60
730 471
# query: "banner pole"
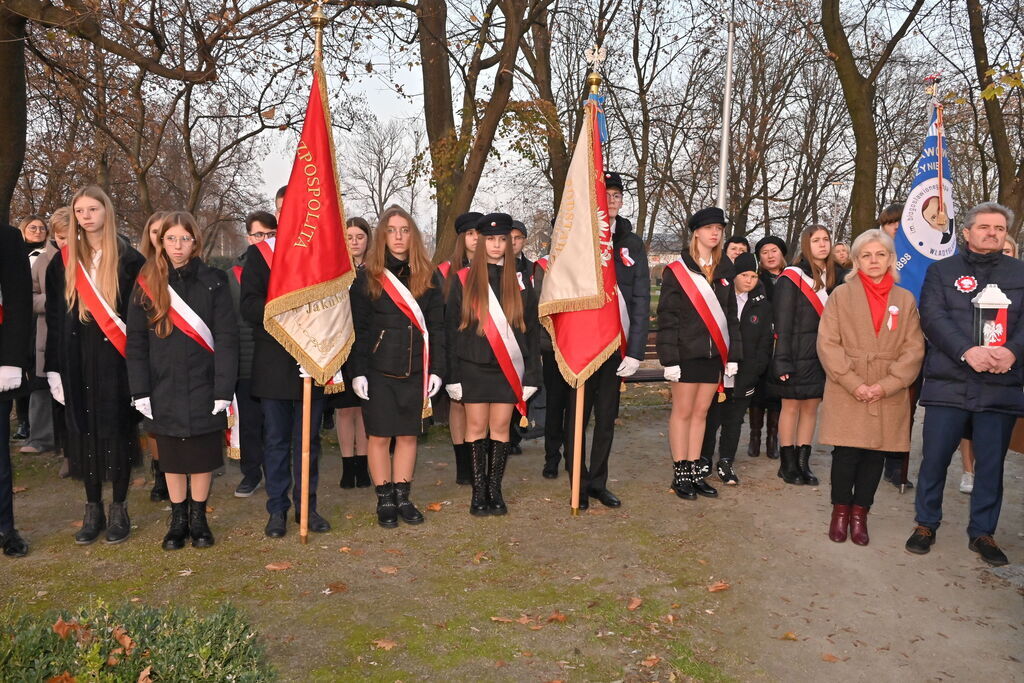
307 400
577 449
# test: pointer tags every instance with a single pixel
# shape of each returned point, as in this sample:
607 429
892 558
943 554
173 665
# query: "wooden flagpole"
307 400
577 448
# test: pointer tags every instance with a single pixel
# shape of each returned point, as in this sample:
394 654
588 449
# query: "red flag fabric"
578 303
308 308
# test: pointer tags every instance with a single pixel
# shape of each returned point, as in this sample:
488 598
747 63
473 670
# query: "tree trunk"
13 113
558 153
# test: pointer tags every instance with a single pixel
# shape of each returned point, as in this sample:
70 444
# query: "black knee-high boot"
478 454
495 473
756 422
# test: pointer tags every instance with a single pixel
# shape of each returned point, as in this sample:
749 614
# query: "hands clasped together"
995 359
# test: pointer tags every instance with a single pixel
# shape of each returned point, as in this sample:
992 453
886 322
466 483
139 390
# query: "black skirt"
395 407
190 454
344 399
701 371
485 384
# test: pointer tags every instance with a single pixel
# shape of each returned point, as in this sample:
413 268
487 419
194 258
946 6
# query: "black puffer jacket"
246 345
16 289
758 340
181 378
386 341
467 345
682 334
947 319
796 341
634 282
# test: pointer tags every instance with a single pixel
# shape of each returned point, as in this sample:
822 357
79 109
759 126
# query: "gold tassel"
523 422
622 387
721 397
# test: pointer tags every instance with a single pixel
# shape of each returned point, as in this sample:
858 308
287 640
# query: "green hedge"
100 644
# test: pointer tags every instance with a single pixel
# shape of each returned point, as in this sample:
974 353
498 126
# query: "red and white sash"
503 344
703 298
237 272
105 316
407 304
266 248
195 328
805 284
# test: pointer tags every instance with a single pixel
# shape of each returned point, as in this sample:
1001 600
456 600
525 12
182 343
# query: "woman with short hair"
871 347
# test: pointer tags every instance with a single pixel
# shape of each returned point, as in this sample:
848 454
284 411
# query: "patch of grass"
98 643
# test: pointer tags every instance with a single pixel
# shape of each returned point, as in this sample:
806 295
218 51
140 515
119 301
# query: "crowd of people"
101 343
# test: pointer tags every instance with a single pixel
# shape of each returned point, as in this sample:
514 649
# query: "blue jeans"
282 451
943 429
6 472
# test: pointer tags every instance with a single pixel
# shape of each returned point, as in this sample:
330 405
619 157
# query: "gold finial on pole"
595 57
319 21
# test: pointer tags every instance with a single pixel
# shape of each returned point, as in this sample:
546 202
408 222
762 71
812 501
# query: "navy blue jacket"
947 319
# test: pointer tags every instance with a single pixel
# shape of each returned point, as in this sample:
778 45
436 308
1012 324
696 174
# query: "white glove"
56 388
454 391
434 385
731 369
673 373
303 373
361 388
144 406
628 367
219 406
528 392
10 377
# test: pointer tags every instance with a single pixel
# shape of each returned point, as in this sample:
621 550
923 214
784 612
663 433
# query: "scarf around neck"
878 297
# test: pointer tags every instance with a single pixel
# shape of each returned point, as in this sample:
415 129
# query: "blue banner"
926 233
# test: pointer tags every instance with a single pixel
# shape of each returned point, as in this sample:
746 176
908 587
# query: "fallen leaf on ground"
209 508
138 482
77 524
718 586
384 644
480 557
19 489
434 507
136 599
523 619
185 572
650 661
337 587
144 675
503 620
124 640
389 570
344 549
279 566
634 603
63 628
788 635
536 627
556 616
63 678
394 551
830 658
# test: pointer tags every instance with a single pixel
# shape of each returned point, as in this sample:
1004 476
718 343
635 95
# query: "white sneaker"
967 482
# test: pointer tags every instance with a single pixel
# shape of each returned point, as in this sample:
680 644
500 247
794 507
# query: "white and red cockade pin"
966 283
624 255
894 315
725 283
519 276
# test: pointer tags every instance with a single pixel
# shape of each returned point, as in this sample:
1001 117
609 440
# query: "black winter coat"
246 344
275 372
111 407
947 320
468 345
386 340
682 334
16 330
758 340
768 281
796 341
181 378
635 284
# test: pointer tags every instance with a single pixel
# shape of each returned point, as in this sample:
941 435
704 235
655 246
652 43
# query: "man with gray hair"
970 383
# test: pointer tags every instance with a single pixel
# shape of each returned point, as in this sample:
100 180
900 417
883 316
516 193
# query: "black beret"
518 225
467 221
708 216
613 179
771 239
495 224
738 239
745 262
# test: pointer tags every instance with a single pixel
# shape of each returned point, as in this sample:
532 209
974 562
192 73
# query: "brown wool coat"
852 355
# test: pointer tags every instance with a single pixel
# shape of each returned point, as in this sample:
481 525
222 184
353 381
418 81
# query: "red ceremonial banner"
308 308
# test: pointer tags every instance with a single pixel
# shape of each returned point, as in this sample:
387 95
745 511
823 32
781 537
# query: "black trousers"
855 475
727 415
601 398
250 431
557 394
6 471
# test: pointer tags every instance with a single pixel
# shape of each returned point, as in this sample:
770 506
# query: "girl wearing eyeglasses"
182 367
87 290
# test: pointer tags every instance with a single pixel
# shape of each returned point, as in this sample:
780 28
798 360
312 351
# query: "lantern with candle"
990 309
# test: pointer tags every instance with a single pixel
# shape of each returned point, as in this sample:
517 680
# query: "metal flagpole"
723 154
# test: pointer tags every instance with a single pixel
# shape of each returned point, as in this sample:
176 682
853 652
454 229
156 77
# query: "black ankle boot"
789 466
478 461
348 473
406 510
159 491
756 422
92 524
698 473
771 438
681 480
118 526
362 472
463 463
804 463
387 507
495 473
202 537
177 532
